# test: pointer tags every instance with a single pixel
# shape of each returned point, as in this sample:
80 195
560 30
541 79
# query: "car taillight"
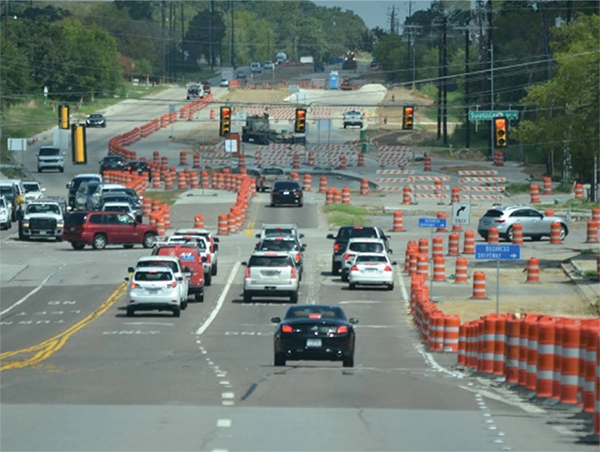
297 192
354 268
499 221
348 256
298 257
342 330
387 268
133 285
173 284
208 259
247 272
287 329
336 247
294 273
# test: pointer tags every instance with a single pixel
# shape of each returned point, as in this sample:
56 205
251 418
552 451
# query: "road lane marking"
47 348
220 301
33 292
224 423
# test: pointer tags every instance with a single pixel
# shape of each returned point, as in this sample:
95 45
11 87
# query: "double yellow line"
47 348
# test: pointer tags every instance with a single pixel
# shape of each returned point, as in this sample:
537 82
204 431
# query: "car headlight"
25 223
60 224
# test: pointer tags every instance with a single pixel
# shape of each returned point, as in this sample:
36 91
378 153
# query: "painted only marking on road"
220 301
33 292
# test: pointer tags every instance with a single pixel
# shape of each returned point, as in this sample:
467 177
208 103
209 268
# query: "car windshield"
43 208
315 312
270 261
49 151
361 259
31 186
363 232
366 247
278 245
6 190
278 232
153 275
116 208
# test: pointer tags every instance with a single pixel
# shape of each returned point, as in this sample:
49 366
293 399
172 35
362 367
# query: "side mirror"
257 236
245 263
126 278
301 236
216 239
180 279
275 319
353 320
216 247
394 263
303 246
390 251
331 236
131 269
68 185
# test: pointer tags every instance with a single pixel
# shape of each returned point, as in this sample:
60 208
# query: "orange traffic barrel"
486 343
156 179
596 214
361 160
196 160
592 232
545 357
199 221
462 341
513 331
532 351
398 224
427 164
160 225
517 233
232 222
311 158
547 185
533 270
453 244
412 266
222 225
479 285
441 216
345 195
156 157
296 161
307 182
364 187
146 207
183 158
435 337
439 268
469 242
155 205
534 194
555 228
422 264
181 182
437 246
323 184
591 332
411 247
499 344
460 270
164 160
423 246
337 195
578 191
406 197
455 195
166 215
329 196
570 350
493 236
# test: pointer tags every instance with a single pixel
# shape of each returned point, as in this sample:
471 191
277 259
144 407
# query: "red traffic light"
301 113
408 110
500 123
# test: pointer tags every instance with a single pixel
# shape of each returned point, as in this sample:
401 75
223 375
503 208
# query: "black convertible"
315 332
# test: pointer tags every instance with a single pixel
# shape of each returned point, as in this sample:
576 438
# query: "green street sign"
488 115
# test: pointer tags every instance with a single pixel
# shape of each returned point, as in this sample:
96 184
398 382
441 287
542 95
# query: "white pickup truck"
42 219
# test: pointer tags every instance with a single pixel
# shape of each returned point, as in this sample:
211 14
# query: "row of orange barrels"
234 220
138 183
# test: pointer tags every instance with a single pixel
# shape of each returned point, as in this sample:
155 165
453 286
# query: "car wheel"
62 170
483 236
247 297
176 311
128 247
348 361
352 286
214 270
78 245
344 126
536 238
130 312
509 234
390 286
279 359
294 297
300 205
199 297
21 235
99 242
344 276
59 239
184 305
208 280
149 240
272 204
39 169
563 232
335 268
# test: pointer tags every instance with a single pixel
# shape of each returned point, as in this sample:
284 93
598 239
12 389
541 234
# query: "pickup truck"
42 219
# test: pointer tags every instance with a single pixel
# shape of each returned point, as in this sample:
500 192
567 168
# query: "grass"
168 197
514 189
347 215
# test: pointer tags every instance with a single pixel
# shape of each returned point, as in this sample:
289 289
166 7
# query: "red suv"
107 228
189 257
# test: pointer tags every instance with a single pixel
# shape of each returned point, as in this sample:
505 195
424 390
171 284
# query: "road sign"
497 252
432 222
461 213
324 124
488 115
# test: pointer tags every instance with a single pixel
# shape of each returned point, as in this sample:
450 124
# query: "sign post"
498 253
432 223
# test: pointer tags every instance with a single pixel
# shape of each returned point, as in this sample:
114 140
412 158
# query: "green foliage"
348 209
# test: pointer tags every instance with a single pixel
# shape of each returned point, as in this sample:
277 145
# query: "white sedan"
154 289
371 269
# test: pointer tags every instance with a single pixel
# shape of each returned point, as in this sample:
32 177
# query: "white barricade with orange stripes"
483 178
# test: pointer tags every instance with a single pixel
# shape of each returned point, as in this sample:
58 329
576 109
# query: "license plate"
370 270
43 232
286 192
313 342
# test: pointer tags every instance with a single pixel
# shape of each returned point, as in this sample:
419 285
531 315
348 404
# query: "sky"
375 13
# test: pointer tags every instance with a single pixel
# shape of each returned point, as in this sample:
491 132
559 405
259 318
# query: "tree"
15 78
197 39
568 105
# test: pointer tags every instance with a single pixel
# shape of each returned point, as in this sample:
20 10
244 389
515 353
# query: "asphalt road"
83 376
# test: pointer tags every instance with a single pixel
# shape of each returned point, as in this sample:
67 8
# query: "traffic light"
63 117
500 132
300 126
225 122
407 118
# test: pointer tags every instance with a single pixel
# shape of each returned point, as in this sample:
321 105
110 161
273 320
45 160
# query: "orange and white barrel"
486 343
435 338
181 181
592 232
596 215
196 160
166 215
411 247
533 332
183 158
361 160
155 205
311 158
296 161
455 195
232 222
427 164
329 196
169 180
591 329
307 182
295 176
212 115
555 233
517 234
533 270
578 191
342 162
223 227
545 356
453 244
398 224
412 264
199 221
364 187
164 160
337 195
156 157
460 270
523 339
406 195
439 268
534 194
461 358
547 185
205 179
493 235
469 242
422 264
227 179
570 361
323 184
155 179
513 330
146 207
441 216
423 246
451 332
479 285
160 225
437 246
345 195
194 183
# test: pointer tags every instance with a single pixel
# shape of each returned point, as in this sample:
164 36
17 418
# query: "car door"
128 230
111 226
540 227
522 216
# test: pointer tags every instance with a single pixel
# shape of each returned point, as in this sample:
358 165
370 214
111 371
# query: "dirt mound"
469 154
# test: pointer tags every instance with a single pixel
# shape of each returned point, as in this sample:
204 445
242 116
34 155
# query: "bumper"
170 298
42 233
286 199
154 306
331 350
374 280
81 238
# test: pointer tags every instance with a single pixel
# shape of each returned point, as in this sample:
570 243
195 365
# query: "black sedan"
95 120
138 166
111 162
286 192
315 332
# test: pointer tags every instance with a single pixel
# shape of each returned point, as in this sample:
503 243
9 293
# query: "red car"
107 228
189 257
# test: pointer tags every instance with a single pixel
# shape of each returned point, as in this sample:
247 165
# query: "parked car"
95 120
42 219
50 157
174 264
268 66
11 191
286 192
189 257
318 67
536 224
100 229
5 214
371 269
314 332
271 274
256 67
73 186
153 289
111 162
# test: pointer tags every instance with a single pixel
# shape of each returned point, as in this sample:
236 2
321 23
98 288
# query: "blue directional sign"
498 252
432 222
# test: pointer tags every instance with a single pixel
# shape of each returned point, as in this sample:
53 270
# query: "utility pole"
182 38
211 55
444 76
164 37
467 97
490 57
231 58
439 93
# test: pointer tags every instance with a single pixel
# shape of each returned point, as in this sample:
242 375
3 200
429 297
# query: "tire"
279 360
199 297
294 297
247 297
62 170
563 232
149 240
214 270
130 312
335 268
352 286
536 238
390 286
208 279
39 169
21 236
59 239
300 205
78 245
128 247
184 305
348 361
344 126
509 234
99 242
176 311
344 277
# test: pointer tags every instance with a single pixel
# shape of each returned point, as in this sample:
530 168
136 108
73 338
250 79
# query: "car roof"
117 204
271 253
158 258
151 269
191 231
365 239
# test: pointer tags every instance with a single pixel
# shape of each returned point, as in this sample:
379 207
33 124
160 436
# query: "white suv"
154 289
49 157
353 118
171 262
357 246
271 274
5 214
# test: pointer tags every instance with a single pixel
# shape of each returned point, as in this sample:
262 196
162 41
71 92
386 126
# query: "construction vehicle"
195 91
346 85
258 130
349 63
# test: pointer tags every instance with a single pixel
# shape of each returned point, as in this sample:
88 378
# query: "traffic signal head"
500 132
407 117
225 121
300 126
63 117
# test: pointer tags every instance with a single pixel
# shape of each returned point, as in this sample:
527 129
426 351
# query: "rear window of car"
366 247
314 312
153 276
361 258
278 245
77 218
169 264
286 185
273 171
493 213
363 232
270 261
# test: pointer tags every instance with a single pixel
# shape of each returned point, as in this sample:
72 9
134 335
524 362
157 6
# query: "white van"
256 67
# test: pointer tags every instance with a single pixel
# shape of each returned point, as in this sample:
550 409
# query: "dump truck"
258 130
